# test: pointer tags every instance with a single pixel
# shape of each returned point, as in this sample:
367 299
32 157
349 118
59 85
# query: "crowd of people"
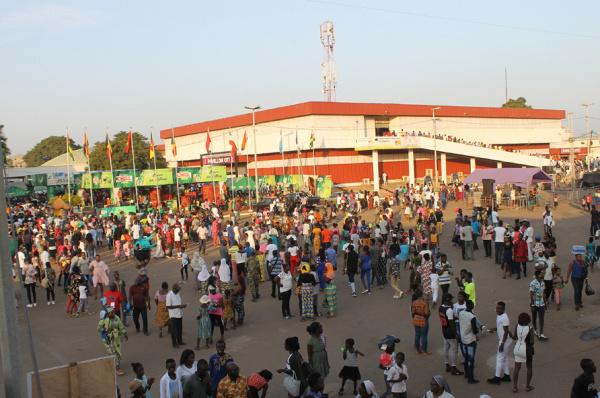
299 251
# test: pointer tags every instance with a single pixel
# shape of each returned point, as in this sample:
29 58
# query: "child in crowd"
350 369
558 284
228 309
83 298
204 324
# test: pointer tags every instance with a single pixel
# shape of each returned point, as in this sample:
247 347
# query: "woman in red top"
520 253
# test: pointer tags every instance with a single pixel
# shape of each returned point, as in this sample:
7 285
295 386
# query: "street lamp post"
253 108
435 144
587 131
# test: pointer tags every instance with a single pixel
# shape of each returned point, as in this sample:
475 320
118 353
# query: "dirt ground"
258 345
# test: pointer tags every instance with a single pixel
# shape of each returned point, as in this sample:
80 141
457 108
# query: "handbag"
291 384
589 290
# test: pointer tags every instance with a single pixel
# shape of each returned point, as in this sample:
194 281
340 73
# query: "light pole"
587 131
435 144
253 108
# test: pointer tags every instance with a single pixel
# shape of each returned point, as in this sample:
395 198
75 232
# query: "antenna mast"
329 73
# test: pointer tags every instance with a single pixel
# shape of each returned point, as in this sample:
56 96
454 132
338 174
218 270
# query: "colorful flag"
69 149
312 140
128 147
244 141
280 141
208 140
151 146
173 145
233 148
86 146
108 147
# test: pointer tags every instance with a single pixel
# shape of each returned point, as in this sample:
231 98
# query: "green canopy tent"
244 184
15 191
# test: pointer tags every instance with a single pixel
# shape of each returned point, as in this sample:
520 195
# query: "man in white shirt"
529 239
495 218
135 232
306 232
504 342
202 232
177 238
499 232
270 248
397 376
176 314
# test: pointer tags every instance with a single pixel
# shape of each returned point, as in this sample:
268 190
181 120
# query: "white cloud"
49 16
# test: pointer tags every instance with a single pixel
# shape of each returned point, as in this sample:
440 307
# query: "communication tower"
329 73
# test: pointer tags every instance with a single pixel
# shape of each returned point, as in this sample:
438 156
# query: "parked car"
264 203
311 201
590 180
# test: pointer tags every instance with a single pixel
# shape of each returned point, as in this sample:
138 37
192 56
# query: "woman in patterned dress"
306 281
330 290
382 264
161 316
424 270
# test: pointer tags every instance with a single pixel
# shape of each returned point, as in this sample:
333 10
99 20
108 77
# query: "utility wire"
415 14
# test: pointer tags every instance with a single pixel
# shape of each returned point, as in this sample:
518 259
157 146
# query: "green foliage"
517 103
5 149
48 149
121 160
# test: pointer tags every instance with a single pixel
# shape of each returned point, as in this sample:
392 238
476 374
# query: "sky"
151 64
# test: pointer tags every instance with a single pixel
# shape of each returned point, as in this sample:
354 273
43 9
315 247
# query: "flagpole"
176 169
133 157
86 151
68 168
211 169
158 202
282 164
112 175
314 161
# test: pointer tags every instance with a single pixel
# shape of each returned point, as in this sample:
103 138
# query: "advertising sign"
56 179
107 211
37 180
369 143
217 159
124 179
147 177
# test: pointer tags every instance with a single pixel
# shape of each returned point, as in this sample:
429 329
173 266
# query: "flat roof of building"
362 109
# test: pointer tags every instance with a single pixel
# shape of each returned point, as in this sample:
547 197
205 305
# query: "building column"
411 167
472 165
499 165
375 170
443 164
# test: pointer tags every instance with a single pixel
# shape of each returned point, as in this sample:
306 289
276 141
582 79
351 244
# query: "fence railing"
520 202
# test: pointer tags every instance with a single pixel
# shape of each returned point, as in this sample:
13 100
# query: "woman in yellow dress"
317 238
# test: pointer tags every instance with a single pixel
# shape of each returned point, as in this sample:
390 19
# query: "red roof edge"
369 109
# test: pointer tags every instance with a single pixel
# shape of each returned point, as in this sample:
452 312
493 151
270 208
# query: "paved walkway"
259 343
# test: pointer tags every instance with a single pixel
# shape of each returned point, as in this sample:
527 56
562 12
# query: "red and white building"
348 144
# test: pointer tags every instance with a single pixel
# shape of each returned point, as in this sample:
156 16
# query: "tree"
5 148
48 149
121 160
517 103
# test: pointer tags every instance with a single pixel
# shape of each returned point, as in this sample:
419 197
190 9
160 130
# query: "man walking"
450 334
140 299
538 302
505 339
253 266
176 314
499 232
466 233
202 232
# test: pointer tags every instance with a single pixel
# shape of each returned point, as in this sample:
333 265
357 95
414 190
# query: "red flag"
173 146
244 141
207 140
86 148
108 147
128 148
233 148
